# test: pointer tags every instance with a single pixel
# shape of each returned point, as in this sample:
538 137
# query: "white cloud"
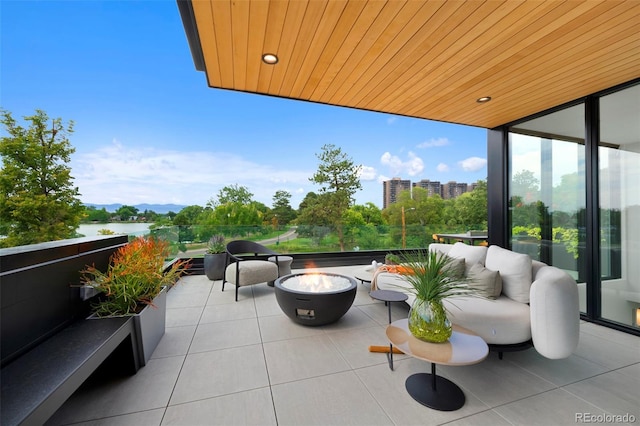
412 166
392 120
367 173
442 167
431 143
473 164
383 178
131 175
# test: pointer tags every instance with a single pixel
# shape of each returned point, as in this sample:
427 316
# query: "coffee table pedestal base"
444 395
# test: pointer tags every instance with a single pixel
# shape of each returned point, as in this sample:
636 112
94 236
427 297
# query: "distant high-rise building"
391 189
433 187
453 189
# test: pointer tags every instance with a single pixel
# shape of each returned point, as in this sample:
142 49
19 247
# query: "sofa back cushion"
486 282
471 254
515 271
440 247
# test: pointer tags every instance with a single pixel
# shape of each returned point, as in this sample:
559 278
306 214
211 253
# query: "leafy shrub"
133 278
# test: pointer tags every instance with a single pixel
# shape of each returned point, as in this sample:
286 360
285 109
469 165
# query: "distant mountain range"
158 208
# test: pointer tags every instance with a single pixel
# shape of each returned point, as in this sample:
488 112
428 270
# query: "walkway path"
287 236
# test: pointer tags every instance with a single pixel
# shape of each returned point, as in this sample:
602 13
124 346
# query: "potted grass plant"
433 277
215 257
135 283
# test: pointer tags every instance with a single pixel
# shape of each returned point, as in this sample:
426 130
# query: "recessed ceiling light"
270 58
483 99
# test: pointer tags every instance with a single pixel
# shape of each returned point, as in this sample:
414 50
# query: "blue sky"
148 129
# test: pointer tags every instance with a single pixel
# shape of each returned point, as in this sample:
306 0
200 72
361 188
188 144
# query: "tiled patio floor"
246 363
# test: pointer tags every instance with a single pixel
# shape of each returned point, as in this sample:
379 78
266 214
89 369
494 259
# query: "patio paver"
223 362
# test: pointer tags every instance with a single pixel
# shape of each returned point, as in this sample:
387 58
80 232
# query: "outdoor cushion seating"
245 267
534 303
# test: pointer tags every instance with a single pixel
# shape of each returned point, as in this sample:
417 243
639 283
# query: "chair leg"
237 279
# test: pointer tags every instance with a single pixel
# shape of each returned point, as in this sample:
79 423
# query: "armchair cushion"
252 272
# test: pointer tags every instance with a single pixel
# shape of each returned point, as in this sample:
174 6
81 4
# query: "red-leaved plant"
135 276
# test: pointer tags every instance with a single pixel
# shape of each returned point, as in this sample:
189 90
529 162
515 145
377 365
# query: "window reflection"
619 193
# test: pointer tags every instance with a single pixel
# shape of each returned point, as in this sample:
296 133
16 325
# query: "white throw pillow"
515 271
471 254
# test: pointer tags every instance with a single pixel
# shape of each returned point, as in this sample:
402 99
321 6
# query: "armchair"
244 267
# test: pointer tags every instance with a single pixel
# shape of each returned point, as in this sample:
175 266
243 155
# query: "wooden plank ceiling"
427 59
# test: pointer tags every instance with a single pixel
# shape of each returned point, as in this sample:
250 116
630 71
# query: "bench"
38 382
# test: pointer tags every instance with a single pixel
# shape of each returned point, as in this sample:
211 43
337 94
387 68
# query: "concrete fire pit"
315 298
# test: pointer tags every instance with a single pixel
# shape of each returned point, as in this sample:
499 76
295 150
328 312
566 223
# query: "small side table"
388 296
463 348
284 266
365 275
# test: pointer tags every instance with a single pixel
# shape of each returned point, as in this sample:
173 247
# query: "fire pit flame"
316 283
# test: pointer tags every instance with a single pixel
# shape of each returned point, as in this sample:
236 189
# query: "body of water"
91 229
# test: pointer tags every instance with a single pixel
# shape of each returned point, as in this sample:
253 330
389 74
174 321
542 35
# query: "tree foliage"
282 211
38 201
188 215
92 214
525 185
338 177
370 213
126 212
234 194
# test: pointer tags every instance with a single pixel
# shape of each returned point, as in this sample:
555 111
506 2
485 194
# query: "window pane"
547 193
619 165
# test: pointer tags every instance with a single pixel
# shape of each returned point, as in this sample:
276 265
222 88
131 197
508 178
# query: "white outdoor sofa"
535 304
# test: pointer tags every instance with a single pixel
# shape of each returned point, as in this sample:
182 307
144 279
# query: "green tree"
308 200
185 220
149 215
233 194
352 222
188 215
94 215
338 177
282 211
38 201
370 213
471 207
126 212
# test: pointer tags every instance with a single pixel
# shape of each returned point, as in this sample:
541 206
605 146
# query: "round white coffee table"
365 274
431 390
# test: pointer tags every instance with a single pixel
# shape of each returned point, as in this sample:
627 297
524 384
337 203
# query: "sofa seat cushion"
395 282
502 321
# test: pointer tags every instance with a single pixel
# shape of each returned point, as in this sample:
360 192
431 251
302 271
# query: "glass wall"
547 191
551 216
619 201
